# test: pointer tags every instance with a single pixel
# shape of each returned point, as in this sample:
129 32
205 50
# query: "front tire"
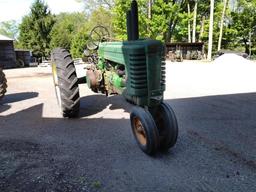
65 82
167 126
3 84
144 130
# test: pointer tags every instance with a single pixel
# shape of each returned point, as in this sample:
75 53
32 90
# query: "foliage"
162 24
35 29
164 16
100 16
243 23
168 23
9 29
119 20
91 5
65 28
79 41
103 17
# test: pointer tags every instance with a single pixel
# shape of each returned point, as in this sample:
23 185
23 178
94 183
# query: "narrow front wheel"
167 125
144 130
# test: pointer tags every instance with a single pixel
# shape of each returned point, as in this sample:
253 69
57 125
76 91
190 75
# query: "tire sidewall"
149 126
170 125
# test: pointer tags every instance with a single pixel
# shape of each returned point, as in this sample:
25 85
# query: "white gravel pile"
228 74
230 58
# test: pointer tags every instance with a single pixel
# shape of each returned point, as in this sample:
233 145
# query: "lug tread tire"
3 84
67 82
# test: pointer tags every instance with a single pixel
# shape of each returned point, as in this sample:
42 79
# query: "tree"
9 29
79 41
66 26
243 22
221 23
101 17
161 25
164 19
35 29
119 19
209 56
91 5
194 23
189 26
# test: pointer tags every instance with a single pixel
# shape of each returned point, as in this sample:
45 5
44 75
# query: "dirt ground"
215 106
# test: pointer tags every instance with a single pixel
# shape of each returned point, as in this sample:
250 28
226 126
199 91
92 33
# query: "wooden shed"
7 53
188 50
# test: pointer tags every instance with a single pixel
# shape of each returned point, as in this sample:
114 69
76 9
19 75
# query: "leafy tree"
9 29
35 29
101 17
119 20
162 23
91 5
79 41
165 18
243 22
66 26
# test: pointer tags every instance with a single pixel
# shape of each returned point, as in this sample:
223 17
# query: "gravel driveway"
216 150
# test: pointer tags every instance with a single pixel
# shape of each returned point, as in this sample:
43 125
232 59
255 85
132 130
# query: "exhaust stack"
132 22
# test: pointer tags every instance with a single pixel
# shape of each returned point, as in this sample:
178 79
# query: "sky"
16 9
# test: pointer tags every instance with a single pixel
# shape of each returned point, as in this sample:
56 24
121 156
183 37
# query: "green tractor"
3 83
134 68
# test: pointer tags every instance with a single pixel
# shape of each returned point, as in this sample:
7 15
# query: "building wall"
7 54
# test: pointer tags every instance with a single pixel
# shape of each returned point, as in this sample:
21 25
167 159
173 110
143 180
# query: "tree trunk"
149 14
149 9
189 30
221 24
250 43
194 23
246 46
209 55
201 29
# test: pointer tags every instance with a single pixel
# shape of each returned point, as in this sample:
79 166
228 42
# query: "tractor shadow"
215 131
15 97
93 104
223 123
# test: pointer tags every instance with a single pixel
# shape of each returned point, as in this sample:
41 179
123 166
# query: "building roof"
4 38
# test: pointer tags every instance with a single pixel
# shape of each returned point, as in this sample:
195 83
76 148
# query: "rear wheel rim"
56 83
139 131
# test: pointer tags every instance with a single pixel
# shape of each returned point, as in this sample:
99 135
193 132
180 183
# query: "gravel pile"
231 58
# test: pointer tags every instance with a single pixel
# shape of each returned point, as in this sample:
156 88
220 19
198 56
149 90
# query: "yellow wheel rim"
139 131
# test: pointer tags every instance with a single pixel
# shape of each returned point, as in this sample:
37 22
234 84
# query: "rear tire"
3 84
65 82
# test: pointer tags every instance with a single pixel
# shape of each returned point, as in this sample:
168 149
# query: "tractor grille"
138 71
163 72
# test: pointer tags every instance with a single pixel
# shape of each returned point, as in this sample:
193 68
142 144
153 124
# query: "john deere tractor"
134 68
3 84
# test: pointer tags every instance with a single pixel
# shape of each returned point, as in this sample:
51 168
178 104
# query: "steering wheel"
97 35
